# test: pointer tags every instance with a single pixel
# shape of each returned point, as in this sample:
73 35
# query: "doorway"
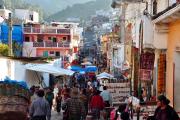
176 80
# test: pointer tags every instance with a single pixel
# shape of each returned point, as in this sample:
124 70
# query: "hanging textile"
161 74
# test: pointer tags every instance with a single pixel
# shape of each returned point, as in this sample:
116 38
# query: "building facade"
55 40
27 15
166 41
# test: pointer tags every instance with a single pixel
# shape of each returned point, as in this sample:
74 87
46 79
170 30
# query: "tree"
4 49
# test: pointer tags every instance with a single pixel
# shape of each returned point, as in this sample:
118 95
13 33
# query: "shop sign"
119 91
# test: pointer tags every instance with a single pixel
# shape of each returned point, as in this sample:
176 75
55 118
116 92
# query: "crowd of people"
76 100
85 101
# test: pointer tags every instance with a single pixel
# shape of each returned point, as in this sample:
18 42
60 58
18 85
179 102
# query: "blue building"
17 38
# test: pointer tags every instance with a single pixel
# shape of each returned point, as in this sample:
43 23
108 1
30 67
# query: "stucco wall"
173 40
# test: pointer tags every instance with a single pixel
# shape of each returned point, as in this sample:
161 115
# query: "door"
45 54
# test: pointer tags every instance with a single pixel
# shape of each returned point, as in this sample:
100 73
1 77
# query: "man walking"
107 98
40 109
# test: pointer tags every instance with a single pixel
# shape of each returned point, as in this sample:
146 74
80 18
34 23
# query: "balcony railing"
50 44
33 30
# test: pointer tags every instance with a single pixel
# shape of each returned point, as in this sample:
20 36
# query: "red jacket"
97 102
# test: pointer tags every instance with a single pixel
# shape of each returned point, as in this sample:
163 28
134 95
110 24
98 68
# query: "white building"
4 13
16 70
27 15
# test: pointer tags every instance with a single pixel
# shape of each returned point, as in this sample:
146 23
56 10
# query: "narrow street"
94 59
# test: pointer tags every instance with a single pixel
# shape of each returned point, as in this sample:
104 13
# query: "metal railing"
50 44
33 30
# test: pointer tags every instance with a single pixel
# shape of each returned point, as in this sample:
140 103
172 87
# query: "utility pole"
10 35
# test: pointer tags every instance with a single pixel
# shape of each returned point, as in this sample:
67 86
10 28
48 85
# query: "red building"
53 40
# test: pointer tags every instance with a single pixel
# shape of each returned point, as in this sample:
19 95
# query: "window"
64 38
31 17
57 54
49 38
54 39
27 39
51 52
154 7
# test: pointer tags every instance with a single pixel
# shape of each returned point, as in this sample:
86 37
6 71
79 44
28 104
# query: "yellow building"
167 41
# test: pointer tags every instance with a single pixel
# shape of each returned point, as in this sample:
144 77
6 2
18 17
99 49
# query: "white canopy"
104 74
48 68
102 77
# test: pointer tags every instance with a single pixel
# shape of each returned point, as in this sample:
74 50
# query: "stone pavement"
56 116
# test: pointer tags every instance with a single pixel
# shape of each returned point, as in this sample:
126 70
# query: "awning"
168 15
48 68
104 74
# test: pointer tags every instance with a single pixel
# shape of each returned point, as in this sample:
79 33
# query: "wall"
5 13
172 2
147 32
36 17
160 40
173 40
28 49
3 68
17 71
162 5
24 14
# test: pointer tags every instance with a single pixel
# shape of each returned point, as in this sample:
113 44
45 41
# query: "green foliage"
83 11
4 49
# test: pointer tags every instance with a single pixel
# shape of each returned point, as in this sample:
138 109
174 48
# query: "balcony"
33 30
50 44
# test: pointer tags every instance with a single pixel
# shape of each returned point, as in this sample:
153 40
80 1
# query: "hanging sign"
147 61
145 75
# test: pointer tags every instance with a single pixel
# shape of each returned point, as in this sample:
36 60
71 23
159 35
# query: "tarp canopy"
75 68
48 68
104 74
90 69
80 69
